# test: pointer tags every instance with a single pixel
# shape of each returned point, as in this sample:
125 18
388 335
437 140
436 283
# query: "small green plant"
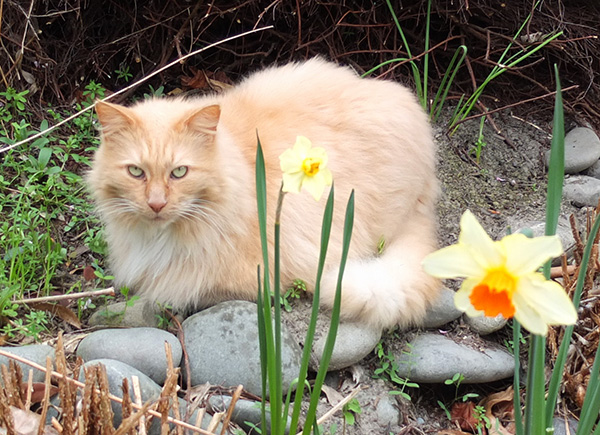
388 370
480 143
155 93
350 411
483 422
123 73
297 288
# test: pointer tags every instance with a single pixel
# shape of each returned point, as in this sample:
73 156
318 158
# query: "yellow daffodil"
502 278
305 166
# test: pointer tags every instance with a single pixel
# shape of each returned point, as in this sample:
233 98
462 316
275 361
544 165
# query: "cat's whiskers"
199 211
117 206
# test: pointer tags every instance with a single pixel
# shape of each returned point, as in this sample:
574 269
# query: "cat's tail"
389 289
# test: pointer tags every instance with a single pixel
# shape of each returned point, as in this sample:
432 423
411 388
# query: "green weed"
388 370
42 205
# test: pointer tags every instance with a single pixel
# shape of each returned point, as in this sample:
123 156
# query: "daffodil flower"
305 166
502 277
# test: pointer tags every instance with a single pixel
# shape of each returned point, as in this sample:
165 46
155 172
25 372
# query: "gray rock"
36 353
141 313
485 325
432 358
582 190
593 171
582 150
560 426
443 311
142 348
244 412
223 348
353 342
387 411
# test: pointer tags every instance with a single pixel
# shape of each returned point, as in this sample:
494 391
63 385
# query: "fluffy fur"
203 245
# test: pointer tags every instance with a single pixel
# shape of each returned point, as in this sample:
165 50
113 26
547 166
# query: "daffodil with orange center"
501 277
305 166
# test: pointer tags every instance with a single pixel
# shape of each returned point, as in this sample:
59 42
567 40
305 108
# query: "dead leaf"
58 310
38 390
88 273
499 410
333 396
205 80
462 414
27 422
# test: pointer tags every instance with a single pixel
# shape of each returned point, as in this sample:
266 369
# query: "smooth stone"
485 325
36 353
353 342
582 190
433 358
223 348
442 311
244 412
593 171
387 411
142 348
582 150
141 314
560 426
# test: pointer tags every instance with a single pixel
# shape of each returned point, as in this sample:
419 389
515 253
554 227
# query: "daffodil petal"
455 261
302 146
548 298
289 161
528 316
314 186
473 235
462 299
525 255
292 182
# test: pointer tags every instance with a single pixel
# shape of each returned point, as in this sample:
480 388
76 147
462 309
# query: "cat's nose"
157 204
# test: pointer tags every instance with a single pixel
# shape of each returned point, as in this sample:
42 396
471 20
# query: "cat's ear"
114 116
204 120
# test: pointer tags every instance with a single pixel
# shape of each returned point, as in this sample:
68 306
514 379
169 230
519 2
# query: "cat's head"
157 163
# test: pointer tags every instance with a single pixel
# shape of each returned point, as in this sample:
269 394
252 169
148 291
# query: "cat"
173 182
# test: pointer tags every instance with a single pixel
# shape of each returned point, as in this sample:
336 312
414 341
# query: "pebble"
582 190
223 348
142 348
36 353
560 426
387 411
582 150
443 311
141 313
353 342
485 325
433 358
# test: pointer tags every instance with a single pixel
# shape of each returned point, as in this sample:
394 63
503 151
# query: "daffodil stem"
517 379
535 404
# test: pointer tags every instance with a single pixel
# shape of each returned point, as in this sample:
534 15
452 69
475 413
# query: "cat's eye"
135 171
179 172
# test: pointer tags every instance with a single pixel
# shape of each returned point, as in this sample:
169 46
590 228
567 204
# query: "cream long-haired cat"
174 185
